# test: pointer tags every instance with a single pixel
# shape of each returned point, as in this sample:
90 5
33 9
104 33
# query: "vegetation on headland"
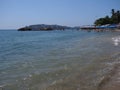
113 19
43 27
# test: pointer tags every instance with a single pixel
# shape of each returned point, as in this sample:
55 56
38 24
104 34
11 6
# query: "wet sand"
112 80
117 30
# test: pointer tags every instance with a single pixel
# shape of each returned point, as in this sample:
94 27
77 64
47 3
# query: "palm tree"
113 11
118 16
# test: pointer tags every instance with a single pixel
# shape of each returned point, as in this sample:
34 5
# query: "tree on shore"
114 19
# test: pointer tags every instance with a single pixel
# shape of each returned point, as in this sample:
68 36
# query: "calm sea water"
56 60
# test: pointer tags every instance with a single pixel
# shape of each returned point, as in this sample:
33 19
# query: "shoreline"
112 80
101 30
117 30
86 66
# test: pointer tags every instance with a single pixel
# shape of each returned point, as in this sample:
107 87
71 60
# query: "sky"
19 13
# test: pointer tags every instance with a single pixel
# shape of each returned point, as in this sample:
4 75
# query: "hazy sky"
19 13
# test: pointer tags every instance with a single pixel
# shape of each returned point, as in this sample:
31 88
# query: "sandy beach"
112 80
118 30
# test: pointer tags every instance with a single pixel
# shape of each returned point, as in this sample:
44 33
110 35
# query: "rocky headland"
43 27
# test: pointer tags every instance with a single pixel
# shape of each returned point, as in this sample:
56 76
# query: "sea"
58 60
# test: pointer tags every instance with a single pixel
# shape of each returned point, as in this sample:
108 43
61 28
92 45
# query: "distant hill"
43 27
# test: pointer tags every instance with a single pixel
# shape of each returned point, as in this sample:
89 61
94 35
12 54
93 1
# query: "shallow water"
62 60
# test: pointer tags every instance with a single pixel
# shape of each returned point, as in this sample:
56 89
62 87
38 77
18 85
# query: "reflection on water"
116 40
56 60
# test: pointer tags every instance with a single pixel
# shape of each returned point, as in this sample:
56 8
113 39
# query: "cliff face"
43 27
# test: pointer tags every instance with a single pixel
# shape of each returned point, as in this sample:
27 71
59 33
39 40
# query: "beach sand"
112 81
118 30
